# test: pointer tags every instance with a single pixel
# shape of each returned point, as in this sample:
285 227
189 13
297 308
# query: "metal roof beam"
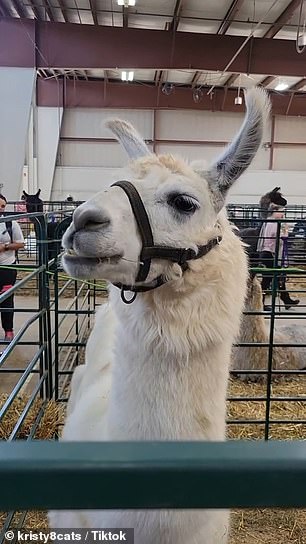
284 18
76 46
265 82
93 9
230 15
299 85
231 80
48 9
35 10
125 16
195 78
176 16
20 9
4 12
119 95
63 10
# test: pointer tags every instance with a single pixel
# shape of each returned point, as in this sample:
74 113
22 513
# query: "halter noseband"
150 251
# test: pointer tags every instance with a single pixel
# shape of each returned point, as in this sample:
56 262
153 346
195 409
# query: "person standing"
11 239
266 247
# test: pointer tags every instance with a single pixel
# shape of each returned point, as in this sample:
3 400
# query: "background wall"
88 158
16 92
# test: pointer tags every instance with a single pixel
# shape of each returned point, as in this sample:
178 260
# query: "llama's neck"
253 327
172 351
170 374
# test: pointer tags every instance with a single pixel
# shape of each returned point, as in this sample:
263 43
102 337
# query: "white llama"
157 369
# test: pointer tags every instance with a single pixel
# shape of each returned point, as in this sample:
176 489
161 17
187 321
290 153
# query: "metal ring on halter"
126 300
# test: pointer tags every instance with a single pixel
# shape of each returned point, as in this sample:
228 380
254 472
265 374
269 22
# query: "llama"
55 231
254 329
273 197
157 360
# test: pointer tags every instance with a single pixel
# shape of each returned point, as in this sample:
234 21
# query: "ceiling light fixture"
126 3
238 98
127 75
281 86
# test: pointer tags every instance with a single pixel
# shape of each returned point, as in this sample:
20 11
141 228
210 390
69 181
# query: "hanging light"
238 98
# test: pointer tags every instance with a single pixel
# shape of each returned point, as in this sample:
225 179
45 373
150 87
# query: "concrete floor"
22 355
283 317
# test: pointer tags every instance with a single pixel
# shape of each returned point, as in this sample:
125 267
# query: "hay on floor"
50 412
256 410
267 526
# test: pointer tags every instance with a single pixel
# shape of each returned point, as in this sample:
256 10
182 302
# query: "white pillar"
30 155
16 92
49 122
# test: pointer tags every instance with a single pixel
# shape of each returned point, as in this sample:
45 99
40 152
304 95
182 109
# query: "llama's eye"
184 204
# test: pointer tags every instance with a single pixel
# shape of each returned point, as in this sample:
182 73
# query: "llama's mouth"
71 257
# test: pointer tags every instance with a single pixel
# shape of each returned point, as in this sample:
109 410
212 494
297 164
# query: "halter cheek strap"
150 251
143 224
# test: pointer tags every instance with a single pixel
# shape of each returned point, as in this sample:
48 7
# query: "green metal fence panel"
152 475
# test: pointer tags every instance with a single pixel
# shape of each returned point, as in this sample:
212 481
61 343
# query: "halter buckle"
124 299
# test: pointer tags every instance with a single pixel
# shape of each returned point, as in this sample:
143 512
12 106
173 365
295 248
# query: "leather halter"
150 251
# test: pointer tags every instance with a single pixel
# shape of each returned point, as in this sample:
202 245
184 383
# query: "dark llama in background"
55 230
273 197
250 234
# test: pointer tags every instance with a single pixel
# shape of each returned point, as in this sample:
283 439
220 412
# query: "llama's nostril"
89 217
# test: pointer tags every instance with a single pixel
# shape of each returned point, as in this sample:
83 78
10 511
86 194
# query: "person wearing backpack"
11 239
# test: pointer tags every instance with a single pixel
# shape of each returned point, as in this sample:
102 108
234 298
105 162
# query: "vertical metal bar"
76 307
48 336
56 334
154 129
40 238
89 299
44 307
272 143
271 334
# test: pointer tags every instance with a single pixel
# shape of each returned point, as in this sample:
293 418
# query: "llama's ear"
25 194
38 192
129 138
238 155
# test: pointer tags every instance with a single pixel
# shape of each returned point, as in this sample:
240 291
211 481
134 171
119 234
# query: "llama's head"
183 203
273 197
33 202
